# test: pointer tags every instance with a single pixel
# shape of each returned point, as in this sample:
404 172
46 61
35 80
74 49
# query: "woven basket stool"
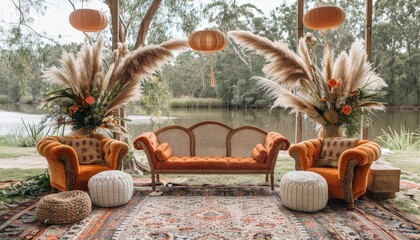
64 207
304 191
110 188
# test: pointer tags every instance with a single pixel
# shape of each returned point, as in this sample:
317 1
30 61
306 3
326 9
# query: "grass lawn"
18 174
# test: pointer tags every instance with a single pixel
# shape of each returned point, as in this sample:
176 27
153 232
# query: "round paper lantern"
324 17
88 20
208 41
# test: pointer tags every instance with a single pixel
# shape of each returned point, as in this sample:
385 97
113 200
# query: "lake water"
277 120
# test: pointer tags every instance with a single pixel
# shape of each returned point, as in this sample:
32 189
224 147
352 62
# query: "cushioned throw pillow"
163 152
259 153
332 148
89 150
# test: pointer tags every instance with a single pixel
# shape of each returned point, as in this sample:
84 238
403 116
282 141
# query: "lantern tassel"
211 76
210 58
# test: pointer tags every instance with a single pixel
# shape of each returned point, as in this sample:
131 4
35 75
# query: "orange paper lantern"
324 17
208 41
88 20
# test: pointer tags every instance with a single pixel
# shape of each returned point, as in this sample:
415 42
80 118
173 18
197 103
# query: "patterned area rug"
217 213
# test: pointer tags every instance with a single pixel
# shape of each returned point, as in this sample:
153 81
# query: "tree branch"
145 24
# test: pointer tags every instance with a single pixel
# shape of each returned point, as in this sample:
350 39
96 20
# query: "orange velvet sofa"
211 148
349 180
66 171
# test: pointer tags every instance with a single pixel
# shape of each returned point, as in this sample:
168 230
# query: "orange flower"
90 100
347 109
334 83
323 99
352 94
73 109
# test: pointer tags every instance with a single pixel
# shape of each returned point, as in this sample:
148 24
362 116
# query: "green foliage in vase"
90 93
336 92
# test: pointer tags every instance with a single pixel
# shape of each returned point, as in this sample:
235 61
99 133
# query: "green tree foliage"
24 53
156 97
396 48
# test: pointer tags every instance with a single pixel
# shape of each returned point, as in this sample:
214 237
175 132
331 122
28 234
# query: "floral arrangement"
335 93
89 94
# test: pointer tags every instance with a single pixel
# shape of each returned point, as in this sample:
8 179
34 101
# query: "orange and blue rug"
217 213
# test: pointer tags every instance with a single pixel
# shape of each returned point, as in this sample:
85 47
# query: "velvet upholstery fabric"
66 173
259 153
365 153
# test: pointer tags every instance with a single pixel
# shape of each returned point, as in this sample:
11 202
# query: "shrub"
29 187
402 140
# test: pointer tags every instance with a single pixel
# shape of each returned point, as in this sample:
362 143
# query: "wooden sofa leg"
266 177
153 181
272 181
157 178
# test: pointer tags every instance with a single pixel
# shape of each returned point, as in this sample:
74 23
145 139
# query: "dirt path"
29 159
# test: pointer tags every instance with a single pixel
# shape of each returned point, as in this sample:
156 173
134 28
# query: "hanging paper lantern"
324 17
88 20
208 41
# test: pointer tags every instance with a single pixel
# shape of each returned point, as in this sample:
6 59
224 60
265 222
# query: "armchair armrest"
274 142
366 152
305 153
58 154
114 151
148 142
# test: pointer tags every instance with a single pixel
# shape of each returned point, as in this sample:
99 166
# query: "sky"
56 25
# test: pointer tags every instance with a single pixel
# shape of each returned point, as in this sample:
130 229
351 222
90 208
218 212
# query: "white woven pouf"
304 191
110 188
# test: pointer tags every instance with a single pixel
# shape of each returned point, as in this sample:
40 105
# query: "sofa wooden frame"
149 141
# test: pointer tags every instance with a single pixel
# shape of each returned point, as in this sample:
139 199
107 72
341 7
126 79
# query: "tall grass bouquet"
89 93
335 92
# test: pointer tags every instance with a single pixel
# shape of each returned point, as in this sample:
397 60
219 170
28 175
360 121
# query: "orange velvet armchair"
73 160
349 180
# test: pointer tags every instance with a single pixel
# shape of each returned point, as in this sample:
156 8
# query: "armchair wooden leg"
266 177
272 180
153 181
350 206
157 178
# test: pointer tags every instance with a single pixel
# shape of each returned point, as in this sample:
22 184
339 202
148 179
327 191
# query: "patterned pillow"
259 153
332 148
89 150
163 152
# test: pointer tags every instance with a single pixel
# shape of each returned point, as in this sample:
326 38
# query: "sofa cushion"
88 150
332 148
163 152
259 153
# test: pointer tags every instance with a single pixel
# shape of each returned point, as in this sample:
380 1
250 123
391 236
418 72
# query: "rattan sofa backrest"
211 138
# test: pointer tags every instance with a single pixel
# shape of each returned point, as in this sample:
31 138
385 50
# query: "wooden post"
298 127
368 39
115 13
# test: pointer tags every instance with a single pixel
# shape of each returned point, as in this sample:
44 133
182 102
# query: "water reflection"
276 120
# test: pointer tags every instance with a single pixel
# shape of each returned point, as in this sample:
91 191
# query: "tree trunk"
119 35
145 24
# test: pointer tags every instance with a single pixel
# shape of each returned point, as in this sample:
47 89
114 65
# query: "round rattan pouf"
64 207
110 188
304 191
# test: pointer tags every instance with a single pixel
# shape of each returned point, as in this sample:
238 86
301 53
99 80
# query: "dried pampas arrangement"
331 91
89 93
